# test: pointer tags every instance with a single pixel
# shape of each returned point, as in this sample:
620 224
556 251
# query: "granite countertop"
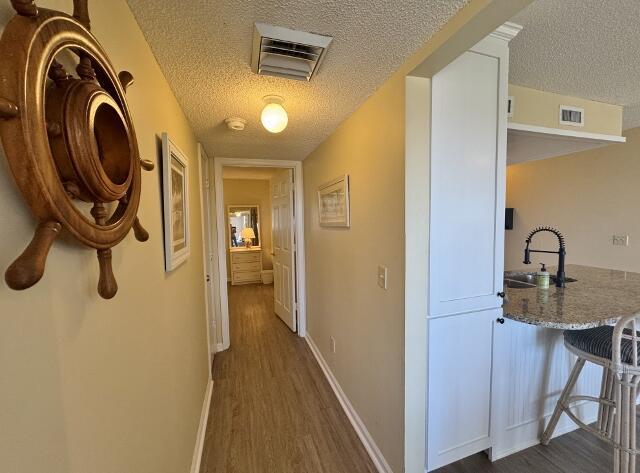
598 297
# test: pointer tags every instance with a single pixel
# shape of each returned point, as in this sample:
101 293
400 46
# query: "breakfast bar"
597 297
598 310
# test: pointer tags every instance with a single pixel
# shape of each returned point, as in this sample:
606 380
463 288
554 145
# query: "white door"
460 385
468 166
283 247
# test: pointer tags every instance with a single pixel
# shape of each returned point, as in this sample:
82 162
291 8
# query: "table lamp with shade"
247 235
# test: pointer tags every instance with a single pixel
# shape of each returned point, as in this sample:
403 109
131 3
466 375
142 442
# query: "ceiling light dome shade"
274 117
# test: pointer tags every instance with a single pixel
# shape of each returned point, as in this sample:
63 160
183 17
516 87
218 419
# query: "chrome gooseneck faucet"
561 252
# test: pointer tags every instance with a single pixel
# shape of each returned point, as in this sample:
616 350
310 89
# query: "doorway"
255 238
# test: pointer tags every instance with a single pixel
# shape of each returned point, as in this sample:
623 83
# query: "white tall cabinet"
466 246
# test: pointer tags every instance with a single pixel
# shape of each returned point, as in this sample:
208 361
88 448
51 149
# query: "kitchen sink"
519 280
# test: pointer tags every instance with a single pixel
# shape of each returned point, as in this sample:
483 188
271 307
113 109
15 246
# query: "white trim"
219 347
416 204
205 219
365 437
507 31
522 127
219 164
202 429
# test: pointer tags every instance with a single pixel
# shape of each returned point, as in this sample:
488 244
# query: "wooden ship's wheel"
68 138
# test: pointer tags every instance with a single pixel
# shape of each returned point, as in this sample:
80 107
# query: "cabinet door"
459 408
468 162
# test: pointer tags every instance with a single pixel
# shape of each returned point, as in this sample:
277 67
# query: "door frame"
208 266
221 224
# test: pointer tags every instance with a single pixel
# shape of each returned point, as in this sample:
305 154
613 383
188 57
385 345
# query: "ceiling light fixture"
274 117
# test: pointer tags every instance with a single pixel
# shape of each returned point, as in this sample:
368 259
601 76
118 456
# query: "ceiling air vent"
573 116
291 54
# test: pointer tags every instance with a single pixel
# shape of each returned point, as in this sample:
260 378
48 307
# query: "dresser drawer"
250 266
246 276
246 257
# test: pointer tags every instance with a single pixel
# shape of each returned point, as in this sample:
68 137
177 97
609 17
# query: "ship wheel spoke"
85 68
81 13
147 165
126 79
8 109
57 73
25 7
28 268
107 284
139 231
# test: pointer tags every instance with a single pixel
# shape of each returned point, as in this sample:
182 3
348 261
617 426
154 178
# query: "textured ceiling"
583 48
204 50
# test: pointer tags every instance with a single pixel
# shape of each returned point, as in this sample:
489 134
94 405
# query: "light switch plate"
382 277
620 240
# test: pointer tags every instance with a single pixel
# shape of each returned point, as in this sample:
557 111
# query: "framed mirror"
244 225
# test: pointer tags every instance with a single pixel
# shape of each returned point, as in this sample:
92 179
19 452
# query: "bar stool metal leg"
563 401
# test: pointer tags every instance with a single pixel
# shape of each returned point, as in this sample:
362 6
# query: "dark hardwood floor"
272 410
575 452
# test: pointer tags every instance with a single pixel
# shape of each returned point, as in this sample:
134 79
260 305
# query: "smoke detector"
235 123
287 53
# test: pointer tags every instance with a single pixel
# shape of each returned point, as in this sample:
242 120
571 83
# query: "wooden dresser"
246 265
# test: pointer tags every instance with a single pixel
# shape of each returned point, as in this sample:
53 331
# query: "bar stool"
616 350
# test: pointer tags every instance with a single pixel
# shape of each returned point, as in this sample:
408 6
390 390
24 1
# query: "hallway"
272 409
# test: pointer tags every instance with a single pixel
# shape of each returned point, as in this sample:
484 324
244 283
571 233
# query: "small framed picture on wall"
333 203
175 186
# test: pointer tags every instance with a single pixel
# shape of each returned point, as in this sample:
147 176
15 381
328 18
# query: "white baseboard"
365 437
219 347
202 429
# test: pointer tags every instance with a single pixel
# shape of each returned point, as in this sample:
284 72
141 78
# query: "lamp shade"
248 233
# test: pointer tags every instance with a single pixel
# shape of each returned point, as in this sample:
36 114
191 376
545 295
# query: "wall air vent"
291 54
573 116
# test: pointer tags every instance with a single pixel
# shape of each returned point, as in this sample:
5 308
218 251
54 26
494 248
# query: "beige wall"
589 196
343 298
251 192
536 107
89 385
